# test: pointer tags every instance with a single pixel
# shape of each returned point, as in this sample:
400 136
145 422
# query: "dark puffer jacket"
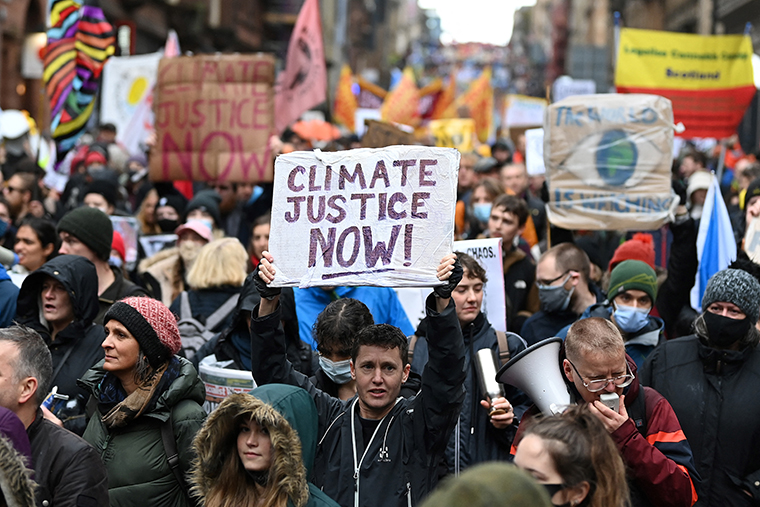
714 394
290 416
138 471
77 347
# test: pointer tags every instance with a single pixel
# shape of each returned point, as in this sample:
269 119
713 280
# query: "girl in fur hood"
257 450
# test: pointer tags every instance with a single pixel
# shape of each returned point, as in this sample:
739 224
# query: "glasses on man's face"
594 386
547 283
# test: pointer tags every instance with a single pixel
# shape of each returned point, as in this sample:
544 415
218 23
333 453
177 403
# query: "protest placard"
381 217
380 134
214 115
454 133
129 229
565 86
534 151
608 161
709 79
488 254
127 80
523 111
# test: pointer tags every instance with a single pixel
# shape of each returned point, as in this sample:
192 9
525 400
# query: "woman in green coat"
148 406
257 449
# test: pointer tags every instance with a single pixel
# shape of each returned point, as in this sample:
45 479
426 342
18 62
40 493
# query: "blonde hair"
220 262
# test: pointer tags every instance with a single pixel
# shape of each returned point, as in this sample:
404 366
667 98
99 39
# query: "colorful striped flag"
716 247
344 109
401 104
80 40
479 100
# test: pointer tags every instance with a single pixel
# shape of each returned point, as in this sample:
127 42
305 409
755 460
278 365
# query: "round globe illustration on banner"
616 157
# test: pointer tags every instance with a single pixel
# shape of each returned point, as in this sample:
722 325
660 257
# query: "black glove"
679 187
264 290
444 291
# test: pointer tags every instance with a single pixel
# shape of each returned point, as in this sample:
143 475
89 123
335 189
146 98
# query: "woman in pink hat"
146 406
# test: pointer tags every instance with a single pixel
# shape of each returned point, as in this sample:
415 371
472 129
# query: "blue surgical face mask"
3 227
339 372
482 211
630 319
115 261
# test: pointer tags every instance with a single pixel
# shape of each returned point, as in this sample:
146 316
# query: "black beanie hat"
90 226
106 188
175 201
208 201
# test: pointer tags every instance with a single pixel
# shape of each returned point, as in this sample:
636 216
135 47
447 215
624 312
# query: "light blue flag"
716 246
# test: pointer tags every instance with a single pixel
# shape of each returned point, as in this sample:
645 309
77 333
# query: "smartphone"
611 400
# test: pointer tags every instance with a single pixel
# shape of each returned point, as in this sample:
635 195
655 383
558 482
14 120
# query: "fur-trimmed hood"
290 416
16 484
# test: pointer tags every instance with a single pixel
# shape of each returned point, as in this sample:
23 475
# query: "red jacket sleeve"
662 463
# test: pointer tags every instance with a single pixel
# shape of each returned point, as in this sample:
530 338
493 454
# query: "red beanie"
118 245
638 248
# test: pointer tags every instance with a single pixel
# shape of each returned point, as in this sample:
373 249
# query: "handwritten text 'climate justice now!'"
374 206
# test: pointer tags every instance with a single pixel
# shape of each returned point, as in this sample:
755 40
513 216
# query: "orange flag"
444 105
345 105
479 100
400 105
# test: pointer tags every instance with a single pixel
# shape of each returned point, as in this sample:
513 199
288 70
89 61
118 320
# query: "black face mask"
725 331
167 225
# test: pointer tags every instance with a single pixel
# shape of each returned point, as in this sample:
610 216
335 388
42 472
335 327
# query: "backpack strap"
185 312
222 312
637 411
501 336
172 456
412 342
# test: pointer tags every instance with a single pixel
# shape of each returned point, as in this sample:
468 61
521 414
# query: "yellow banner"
655 59
454 133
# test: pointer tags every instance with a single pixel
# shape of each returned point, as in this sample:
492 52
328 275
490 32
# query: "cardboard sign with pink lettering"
214 115
382 217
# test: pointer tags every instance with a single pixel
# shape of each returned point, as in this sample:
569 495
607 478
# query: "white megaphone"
536 372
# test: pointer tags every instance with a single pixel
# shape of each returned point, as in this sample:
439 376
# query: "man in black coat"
66 468
377 449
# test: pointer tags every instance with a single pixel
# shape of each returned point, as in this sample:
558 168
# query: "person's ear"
568 369
575 278
407 369
574 495
28 388
48 250
353 369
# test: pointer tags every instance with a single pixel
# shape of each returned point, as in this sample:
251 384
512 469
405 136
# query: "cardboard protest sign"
608 160
534 151
454 133
488 254
381 217
214 115
381 134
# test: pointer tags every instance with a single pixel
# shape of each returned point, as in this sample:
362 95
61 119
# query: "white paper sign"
488 254
523 111
565 86
381 217
534 151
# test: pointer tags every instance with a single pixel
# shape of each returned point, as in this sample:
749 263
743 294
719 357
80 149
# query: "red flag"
303 83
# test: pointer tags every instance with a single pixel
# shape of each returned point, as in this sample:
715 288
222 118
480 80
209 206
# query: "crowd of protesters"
356 405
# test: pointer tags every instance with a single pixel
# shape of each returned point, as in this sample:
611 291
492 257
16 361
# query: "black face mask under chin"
723 331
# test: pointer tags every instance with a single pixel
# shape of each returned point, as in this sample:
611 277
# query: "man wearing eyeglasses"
658 457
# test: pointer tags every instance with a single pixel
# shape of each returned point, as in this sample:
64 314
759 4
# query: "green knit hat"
636 275
489 484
